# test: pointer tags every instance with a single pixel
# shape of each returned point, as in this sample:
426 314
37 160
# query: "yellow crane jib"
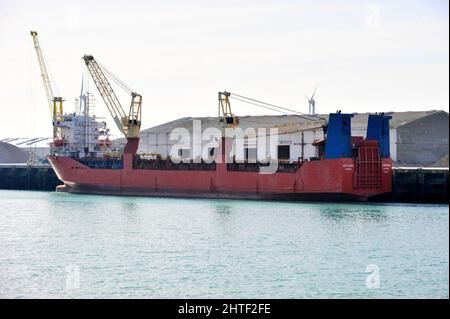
55 103
129 124
226 117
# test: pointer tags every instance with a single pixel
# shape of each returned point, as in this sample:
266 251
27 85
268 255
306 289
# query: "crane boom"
129 124
44 73
55 104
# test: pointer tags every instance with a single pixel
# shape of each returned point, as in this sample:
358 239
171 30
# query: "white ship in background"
74 134
82 134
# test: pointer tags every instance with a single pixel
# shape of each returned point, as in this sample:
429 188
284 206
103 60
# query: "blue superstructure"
339 136
378 129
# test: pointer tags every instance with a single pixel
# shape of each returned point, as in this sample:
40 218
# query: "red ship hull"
328 179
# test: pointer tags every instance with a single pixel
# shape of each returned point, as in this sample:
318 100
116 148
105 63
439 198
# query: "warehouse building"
295 134
416 138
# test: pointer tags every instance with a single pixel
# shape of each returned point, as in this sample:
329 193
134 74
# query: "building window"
284 152
184 153
250 154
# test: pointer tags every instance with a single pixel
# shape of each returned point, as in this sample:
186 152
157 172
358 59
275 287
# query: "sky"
366 56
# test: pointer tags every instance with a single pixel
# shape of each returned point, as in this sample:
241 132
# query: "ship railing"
283 166
158 163
102 163
167 164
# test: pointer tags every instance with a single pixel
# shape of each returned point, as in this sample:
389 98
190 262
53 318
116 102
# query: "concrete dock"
420 184
28 177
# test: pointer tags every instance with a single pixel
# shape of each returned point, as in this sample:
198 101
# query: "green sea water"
55 245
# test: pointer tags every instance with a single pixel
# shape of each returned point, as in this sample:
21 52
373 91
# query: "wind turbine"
312 102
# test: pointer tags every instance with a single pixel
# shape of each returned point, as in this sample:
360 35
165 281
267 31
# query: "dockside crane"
55 103
129 124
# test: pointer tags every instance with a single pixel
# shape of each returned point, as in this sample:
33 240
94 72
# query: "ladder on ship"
368 165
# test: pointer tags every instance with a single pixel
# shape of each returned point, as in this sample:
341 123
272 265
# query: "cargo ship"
352 168
346 168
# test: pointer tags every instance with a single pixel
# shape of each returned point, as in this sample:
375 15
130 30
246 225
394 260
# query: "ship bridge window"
284 152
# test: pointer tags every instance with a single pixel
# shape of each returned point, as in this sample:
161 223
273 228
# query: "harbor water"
55 245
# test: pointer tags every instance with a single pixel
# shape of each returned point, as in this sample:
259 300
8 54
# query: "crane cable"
272 106
113 77
255 104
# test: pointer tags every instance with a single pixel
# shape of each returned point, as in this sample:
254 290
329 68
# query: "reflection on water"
222 209
354 212
130 210
186 248
129 206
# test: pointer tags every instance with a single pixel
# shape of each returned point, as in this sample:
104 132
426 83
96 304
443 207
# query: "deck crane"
129 124
55 103
226 117
228 120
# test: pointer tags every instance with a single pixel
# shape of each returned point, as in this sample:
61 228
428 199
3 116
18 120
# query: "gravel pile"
12 154
443 162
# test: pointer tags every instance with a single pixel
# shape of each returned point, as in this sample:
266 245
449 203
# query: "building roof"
288 123
398 118
27 142
264 121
